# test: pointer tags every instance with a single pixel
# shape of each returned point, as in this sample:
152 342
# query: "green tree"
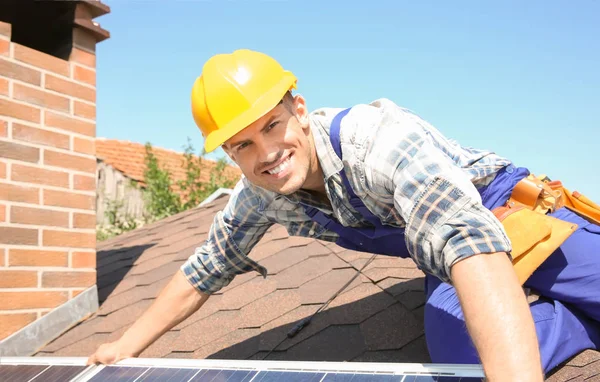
160 198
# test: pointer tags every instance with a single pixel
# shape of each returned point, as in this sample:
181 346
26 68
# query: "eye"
242 146
272 125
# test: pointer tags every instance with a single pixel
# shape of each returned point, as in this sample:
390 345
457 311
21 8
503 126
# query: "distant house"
120 174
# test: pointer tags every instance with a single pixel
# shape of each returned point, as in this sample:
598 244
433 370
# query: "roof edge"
216 195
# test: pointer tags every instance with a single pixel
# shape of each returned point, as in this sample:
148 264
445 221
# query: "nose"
267 152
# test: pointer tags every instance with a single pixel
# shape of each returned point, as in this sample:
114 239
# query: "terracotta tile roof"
378 318
128 157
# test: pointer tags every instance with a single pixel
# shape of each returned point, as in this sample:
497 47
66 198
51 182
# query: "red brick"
14 235
72 239
5 47
69 200
41 98
68 279
37 258
2 257
71 124
31 300
83 259
84 110
11 323
84 183
19 111
18 279
40 136
5 29
3 85
39 216
16 151
19 72
70 88
84 146
3 129
73 162
2 213
84 75
41 60
83 57
86 221
29 174
76 292
2 170
23 194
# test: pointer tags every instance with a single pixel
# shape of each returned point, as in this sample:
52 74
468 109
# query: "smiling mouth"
281 167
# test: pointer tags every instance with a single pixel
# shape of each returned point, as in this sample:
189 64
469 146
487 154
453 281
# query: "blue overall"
567 317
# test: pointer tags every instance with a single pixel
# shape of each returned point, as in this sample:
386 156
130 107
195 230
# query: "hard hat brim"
261 107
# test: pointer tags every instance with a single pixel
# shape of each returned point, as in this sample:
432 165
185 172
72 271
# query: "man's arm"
451 235
233 234
176 302
498 317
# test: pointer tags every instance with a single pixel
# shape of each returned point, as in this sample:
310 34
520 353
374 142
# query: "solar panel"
54 369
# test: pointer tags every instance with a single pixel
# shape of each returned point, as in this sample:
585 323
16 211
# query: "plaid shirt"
404 170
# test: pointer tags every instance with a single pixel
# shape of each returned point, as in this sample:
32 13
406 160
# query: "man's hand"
108 353
176 302
498 318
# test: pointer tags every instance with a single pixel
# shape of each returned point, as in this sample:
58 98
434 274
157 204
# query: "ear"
301 110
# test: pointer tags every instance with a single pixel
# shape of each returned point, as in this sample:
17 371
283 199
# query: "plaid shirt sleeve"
445 219
234 232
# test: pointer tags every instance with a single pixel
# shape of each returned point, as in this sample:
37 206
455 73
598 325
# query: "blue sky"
519 78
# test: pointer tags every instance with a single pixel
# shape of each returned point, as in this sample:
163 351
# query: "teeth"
280 168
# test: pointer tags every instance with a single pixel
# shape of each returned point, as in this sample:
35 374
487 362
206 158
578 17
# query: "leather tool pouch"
534 236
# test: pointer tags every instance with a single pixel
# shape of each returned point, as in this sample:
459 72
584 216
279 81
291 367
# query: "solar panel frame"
321 371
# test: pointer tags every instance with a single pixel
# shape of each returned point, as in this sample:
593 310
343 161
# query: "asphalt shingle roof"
378 317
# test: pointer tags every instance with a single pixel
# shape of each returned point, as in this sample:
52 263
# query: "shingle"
358 304
416 351
396 286
210 306
276 331
266 247
240 344
268 308
253 290
161 347
391 329
147 266
77 333
132 296
122 317
378 274
320 289
411 300
336 343
307 270
567 373
207 330
585 358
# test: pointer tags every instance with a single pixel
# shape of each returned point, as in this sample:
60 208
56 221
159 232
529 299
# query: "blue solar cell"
288 376
167 374
338 377
427 378
119 374
18 373
448 378
59 373
375 378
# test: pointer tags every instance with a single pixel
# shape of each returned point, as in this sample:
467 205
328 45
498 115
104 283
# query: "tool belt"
534 234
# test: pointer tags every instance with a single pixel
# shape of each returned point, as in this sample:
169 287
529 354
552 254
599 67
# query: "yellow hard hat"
234 90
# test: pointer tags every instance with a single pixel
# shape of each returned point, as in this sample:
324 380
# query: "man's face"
277 152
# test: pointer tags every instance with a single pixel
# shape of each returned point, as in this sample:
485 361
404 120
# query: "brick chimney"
47 169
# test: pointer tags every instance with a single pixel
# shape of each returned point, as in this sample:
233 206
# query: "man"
378 178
